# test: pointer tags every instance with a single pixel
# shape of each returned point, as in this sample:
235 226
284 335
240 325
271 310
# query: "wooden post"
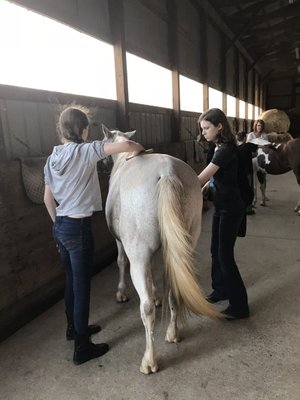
205 97
223 74
246 90
173 57
116 17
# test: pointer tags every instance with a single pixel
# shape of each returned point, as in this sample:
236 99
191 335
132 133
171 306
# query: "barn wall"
284 94
89 16
189 47
242 83
280 94
146 31
214 57
230 72
31 276
29 281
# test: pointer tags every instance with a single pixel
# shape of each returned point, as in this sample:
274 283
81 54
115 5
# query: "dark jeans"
76 246
226 279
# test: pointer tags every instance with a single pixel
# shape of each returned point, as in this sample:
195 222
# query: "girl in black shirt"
229 212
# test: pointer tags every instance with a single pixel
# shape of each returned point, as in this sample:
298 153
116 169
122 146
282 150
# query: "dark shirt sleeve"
223 156
253 147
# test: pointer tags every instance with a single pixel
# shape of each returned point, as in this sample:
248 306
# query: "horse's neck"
119 160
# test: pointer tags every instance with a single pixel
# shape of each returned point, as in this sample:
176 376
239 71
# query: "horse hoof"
175 340
157 302
121 298
263 204
172 338
148 369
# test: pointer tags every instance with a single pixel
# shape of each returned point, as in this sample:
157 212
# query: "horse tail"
178 253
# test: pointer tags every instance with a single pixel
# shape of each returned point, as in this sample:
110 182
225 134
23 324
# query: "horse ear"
107 133
130 134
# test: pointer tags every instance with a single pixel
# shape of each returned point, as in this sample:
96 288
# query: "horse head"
116 135
112 136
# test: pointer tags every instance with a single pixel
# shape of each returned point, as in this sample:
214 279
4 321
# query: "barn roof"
269 30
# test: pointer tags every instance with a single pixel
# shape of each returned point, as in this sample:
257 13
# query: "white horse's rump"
155 201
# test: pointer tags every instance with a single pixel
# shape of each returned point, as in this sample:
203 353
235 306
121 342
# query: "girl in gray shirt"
72 194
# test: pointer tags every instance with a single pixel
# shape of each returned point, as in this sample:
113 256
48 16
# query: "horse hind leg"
297 208
255 179
157 298
263 185
142 280
172 335
263 194
122 261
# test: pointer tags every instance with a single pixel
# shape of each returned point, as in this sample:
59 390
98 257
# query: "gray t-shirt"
71 173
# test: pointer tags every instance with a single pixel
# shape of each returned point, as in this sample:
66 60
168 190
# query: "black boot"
70 332
92 329
84 350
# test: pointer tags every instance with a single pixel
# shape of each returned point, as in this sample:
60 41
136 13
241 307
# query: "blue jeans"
226 278
76 247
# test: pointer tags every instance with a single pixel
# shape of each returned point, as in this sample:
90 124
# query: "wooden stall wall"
31 276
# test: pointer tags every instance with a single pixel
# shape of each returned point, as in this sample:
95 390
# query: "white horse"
154 202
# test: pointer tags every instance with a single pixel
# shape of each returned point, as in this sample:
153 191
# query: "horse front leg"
122 261
172 335
263 186
255 179
142 280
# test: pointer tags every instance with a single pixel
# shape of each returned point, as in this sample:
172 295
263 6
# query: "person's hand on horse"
205 190
137 153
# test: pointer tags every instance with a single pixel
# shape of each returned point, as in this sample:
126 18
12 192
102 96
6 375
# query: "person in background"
72 194
259 133
246 149
229 213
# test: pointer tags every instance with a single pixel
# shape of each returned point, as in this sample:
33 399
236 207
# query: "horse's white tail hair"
178 252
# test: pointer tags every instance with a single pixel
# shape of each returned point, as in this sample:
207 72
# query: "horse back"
132 195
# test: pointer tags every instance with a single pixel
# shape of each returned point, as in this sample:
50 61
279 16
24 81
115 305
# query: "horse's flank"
277 161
